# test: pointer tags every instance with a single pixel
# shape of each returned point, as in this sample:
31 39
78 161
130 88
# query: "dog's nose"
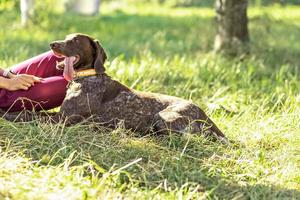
54 45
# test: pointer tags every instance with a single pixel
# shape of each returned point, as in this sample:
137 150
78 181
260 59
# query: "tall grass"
254 99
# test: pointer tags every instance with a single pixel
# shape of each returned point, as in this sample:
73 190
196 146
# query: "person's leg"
48 94
45 95
43 65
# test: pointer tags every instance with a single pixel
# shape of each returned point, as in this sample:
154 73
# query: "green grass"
254 100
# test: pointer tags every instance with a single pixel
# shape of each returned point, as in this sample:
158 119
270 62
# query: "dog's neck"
84 67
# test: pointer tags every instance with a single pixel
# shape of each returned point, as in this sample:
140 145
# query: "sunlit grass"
253 99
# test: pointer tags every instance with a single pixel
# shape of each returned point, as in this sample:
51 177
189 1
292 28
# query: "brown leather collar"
85 72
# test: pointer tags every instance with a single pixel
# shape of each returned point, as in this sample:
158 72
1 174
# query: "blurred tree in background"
232 27
85 7
26 6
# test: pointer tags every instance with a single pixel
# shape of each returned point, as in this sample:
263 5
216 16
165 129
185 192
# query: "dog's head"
86 52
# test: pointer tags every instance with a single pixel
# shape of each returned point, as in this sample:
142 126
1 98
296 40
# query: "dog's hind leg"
170 121
186 117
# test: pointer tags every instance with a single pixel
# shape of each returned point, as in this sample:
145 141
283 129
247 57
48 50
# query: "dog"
95 95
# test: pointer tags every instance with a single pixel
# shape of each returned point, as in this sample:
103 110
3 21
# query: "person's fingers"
27 85
24 83
21 87
37 79
27 80
34 79
24 88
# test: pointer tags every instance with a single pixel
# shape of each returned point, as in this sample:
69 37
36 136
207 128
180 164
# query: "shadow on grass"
169 161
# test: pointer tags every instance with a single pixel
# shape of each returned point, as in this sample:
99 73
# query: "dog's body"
111 103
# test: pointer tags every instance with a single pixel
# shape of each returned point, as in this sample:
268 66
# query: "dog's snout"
55 45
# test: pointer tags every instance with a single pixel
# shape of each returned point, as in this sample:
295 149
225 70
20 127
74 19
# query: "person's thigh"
48 94
43 65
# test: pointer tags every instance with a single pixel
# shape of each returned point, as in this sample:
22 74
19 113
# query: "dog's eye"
76 40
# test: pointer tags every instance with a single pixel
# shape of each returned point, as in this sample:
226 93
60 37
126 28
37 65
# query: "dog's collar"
85 72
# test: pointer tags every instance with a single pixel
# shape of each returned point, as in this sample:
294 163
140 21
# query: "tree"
25 6
232 27
85 7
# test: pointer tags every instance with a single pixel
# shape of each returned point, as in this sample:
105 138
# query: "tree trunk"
232 27
25 7
84 7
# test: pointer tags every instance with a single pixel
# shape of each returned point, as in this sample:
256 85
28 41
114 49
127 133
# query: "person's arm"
14 82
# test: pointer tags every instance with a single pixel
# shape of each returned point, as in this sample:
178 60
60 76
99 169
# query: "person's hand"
21 82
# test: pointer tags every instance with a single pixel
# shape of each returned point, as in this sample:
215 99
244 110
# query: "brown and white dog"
95 95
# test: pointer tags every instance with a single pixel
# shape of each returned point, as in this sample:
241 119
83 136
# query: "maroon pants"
45 95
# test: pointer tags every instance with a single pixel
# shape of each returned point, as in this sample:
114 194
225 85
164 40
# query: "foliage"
254 99
42 11
268 2
210 3
8 5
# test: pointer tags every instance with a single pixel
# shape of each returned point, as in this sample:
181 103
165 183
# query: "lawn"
254 99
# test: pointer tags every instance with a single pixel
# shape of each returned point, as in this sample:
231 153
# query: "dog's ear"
100 57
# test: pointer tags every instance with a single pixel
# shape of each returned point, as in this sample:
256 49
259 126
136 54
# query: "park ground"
254 99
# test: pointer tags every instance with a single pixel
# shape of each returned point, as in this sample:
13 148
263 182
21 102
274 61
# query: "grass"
253 99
